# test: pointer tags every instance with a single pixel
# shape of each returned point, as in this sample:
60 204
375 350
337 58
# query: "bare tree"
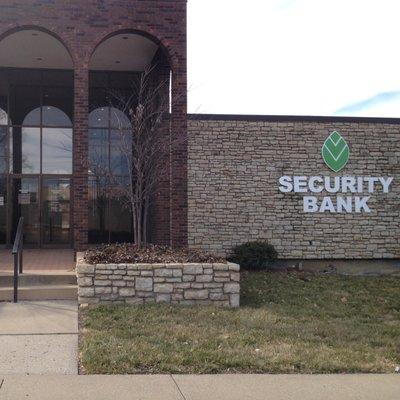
142 143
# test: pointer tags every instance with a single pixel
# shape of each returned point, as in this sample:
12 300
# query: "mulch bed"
150 254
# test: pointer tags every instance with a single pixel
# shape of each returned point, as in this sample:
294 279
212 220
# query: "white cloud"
308 57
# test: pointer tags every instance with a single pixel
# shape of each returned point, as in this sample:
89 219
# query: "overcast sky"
304 57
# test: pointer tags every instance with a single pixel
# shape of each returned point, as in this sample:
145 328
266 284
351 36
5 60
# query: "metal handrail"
17 252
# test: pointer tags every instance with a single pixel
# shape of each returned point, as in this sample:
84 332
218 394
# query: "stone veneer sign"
336 154
186 284
265 178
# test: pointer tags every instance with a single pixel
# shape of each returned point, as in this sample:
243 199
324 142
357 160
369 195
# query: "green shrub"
256 255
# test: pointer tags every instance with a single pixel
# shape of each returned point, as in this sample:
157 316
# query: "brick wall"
81 26
234 168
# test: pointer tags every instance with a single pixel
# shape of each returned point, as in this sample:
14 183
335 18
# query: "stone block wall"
185 284
235 163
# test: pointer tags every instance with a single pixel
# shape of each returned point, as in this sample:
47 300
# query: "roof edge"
291 118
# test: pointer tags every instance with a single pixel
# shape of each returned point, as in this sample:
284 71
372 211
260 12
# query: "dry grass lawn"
288 323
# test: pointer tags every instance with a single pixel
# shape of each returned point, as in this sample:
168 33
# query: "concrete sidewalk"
203 387
39 337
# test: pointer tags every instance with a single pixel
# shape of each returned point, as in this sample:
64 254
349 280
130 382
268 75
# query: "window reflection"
98 151
3 150
40 105
109 144
108 117
119 222
53 116
4 96
109 218
3 204
33 117
30 150
57 151
118 119
3 117
98 232
53 145
99 118
56 99
25 200
56 210
120 143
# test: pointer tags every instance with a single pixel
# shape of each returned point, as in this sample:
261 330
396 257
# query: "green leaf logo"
335 152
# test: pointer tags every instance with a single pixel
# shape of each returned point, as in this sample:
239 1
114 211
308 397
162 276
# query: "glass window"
32 118
28 78
122 80
3 97
107 146
3 150
98 151
56 194
99 118
119 119
25 200
109 218
53 116
23 101
3 165
108 117
15 150
58 106
97 211
57 151
3 212
119 151
30 150
98 81
60 80
41 109
3 117
109 135
119 222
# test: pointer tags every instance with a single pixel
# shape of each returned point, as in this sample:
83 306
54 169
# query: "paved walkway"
217 387
39 338
40 259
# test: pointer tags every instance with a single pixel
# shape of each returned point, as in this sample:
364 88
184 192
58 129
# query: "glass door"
56 215
3 210
25 203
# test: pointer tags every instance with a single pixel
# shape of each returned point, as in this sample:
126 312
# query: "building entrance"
36 133
45 204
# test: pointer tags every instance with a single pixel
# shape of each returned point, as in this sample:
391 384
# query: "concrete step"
35 279
44 292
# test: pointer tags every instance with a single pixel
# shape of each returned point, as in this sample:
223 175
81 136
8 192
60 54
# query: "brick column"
80 152
179 155
160 213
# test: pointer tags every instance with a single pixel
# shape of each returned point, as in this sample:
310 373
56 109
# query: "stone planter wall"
186 284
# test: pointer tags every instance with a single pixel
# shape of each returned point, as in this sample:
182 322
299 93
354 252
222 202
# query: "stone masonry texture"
184 284
233 195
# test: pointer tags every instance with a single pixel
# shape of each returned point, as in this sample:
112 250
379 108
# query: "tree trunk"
145 220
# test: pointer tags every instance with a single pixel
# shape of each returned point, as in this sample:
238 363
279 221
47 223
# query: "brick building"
58 58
